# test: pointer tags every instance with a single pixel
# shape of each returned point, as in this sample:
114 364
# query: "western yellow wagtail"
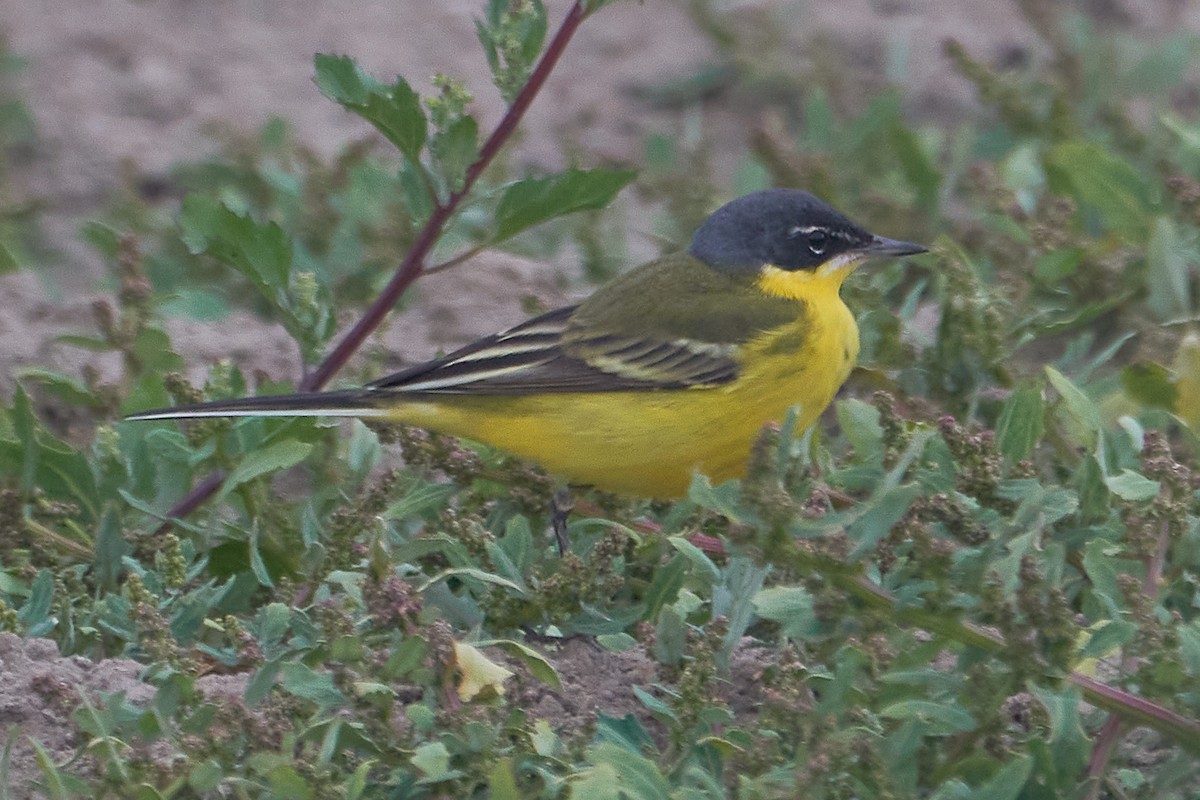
671 368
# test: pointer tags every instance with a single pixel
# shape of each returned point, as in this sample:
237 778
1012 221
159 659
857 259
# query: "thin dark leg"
560 509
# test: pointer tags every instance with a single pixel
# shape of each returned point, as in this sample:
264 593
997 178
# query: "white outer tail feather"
184 413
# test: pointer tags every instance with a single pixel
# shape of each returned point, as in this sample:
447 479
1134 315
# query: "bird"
671 368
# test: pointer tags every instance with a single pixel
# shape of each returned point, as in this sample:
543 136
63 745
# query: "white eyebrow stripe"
834 232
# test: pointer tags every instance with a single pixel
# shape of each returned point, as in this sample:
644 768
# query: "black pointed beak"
882 246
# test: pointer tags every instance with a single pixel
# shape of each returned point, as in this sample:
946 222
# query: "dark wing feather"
672 324
545 355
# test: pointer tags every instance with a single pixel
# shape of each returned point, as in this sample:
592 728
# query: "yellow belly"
650 443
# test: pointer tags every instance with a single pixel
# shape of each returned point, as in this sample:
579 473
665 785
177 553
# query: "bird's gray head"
787 228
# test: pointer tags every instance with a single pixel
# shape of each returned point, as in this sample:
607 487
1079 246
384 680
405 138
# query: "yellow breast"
650 443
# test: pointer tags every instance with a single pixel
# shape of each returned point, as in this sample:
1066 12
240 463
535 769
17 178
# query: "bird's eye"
817 242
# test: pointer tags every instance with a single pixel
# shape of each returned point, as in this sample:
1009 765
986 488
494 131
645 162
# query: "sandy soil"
115 84
118 86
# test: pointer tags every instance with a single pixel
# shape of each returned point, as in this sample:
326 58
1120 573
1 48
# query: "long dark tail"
350 403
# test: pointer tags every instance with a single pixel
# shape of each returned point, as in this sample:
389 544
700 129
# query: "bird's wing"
548 354
672 324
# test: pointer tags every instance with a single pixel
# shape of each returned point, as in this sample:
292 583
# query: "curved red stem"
413 264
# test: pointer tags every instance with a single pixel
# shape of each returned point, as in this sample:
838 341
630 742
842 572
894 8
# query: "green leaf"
860 422
261 683
653 704
271 626
1150 384
512 36
1052 267
1168 282
155 513
395 110
596 783
936 719
1008 782
35 613
8 262
638 776
357 785
670 636
880 515
1079 407
455 149
1092 494
420 498
1130 485
57 469
261 252
405 657
1106 636
1103 571
1021 423
111 547
1189 646
25 426
724 499
364 450
1068 740
70 390
154 351
470 572
502 783
257 565
1163 67
288 784
433 759
303 681
616 642
340 79
1189 135
545 741
280 455
57 784
919 169
538 664
533 201
668 580
741 580
1096 176
505 567
791 607
624 732
518 545
703 564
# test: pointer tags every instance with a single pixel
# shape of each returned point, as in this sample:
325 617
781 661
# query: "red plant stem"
413 265
200 492
414 262
1110 732
1127 706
